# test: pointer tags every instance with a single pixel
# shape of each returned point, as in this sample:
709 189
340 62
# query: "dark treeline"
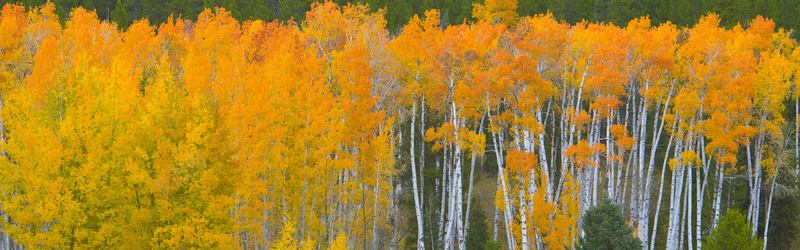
619 12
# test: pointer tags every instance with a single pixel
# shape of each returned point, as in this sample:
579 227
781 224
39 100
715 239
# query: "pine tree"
478 233
732 233
606 228
120 16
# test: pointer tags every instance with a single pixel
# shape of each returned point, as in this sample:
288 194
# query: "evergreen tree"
478 233
120 15
732 233
493 245
605 228
783 226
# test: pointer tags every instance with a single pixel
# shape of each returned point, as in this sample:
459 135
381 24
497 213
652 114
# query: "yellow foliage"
219 134
496 11
340 243
286 240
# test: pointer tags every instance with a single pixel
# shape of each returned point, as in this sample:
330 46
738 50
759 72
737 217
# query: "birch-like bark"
718 194
673 237
699 208
394 214
701 198
422 155
624 182
471 180
374 210
445 177
636 187
522 215
610 164
769 212
750 183
595 138
497 139
660 194
644 213
543 156
417 204
689 191
303 210
755 198
454 203
683 216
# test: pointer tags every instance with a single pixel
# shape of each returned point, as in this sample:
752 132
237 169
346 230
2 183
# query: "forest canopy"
683 13
215 130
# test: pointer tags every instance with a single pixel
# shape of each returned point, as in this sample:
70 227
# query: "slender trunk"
698 210
6 238
417 204
673 239
422 155
443 191
756 193
689 202
471 179
501 172
374 211
718 194
636 189
683 216
303 211
644 213
595 137
610 162
522 215
451 203
627 175
497 139
701 198
750 184
459 215
393 210
543 156
769 212
660 195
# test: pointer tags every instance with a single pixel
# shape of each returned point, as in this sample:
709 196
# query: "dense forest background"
683 13
428 125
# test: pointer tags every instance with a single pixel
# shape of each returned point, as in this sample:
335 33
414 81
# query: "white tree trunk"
444 190
498 150
756 193
769 212
543 157
660 195
522 214
417 204
700 195
718 194
610 162
644 213
683 216
673 237
374 211
457 189
636 190
689 191
471 180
